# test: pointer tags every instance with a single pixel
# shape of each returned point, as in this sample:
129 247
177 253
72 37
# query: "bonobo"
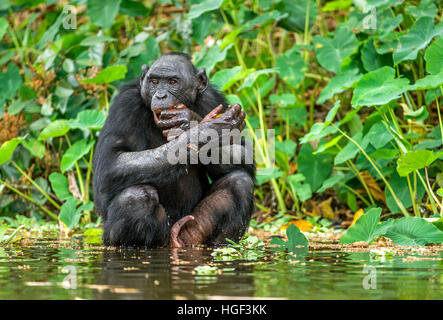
144 198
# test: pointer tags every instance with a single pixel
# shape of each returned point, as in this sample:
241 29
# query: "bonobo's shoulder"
133 85
128 95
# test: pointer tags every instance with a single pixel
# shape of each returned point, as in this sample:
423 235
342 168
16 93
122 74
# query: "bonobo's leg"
136 218
224 213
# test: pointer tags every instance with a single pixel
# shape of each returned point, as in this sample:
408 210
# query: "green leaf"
318 131
401 190
88 119
54 129
296 20
378 87
69 215
225 78
330 53
74 153
133 8
8 148
332 113
108 75
291 67
252 77
303 190
95 40
282 100
387 154
351 150
418 37
3 26
102 13
35 147
428 82
365 229
295 238
209 59
60 185
202 7
264 177
288 147
426 8
342 81
371 59
413 231
379 135
11 81
434 57
316 168
414 160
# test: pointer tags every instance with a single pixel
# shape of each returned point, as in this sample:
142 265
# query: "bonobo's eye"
172 82
153 81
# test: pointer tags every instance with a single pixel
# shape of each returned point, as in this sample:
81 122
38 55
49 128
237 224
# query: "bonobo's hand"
174 121
233 118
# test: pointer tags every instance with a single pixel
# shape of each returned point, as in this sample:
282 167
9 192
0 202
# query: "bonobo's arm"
150 166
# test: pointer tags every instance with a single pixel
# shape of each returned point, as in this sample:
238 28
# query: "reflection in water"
34 271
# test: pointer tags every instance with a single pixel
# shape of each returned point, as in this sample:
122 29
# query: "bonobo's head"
172 80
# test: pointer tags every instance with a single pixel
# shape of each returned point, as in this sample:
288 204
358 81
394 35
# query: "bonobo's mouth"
158 110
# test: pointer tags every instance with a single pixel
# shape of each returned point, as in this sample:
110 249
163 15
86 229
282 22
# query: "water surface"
35 271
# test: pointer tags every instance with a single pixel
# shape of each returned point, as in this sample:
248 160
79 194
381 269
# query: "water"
35 271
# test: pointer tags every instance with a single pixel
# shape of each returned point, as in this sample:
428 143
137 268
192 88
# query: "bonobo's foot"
176 242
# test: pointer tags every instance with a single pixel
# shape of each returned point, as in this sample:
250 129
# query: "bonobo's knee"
139 196
239 183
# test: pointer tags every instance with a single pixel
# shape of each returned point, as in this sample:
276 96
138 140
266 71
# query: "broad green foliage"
407 231
353 104
331 52
365 229
378 88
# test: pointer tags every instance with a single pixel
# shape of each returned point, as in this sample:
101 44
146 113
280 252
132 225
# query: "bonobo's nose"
161 95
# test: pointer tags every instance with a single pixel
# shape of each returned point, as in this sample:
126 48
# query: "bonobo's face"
170 81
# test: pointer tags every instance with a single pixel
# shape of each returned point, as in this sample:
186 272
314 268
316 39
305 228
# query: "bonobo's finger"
181 106
242 125
168 114
213 113
233 111
175 230
170 123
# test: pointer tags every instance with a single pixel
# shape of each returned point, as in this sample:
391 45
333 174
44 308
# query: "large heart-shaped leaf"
416 39
414 160
203 6
60 185
434 57
316 168
291 66
74 153
102 13
339 83
11 81
8 148
378 87
365 229
88 119
331 52
54 129
413 231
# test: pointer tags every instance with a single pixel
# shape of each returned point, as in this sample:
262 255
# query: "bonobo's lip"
158 110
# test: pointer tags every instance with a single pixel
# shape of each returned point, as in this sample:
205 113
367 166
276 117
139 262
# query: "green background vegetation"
353 95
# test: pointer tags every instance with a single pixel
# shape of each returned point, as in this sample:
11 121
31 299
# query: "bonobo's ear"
202 80
145 69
